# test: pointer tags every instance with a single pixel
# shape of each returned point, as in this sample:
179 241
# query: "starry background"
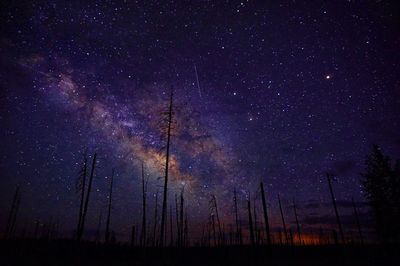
279 93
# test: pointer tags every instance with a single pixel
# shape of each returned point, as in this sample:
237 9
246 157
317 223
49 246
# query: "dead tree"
181 222
238 238
155 220
186 231
357 221
81 229
171 234
252 240
107 234
214 208
213 228
164 205
283 220
297 221
329 177
257 240
82 187
144 197
178 229
265 211
12 216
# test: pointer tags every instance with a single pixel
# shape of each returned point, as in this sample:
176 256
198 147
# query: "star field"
279 93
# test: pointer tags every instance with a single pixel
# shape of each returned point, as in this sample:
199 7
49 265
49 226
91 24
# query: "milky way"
279 93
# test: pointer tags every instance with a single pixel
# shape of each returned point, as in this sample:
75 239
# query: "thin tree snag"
329 177
252 240
265 211
164 205
107 236
283 220
87 198
297 221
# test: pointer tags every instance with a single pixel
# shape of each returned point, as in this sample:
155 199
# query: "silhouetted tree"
82 227
251 229
168 134
214 209
382 186
155 219
171 234
265 212
81 185
238 237
12 216
144 197
297 221
330 177
283 220
107 234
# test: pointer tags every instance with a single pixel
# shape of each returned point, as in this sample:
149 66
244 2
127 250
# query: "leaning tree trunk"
11 215
87 198
329 177
252 241
265 212
107 236
84 173
283 220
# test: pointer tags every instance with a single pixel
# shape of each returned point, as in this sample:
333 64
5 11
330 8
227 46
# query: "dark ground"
69 253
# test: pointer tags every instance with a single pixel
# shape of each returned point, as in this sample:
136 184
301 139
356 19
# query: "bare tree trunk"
255 221
144 222
164 206
209 232
236 217
283 220
107 236
214 202
171 234
87 198
181 225
265 211
186 231
335 208
358 222
14 217
84 173
12 213
252 241
155 220
213 227
178 230
297 221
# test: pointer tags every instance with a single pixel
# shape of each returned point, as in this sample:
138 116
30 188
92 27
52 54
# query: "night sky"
279 93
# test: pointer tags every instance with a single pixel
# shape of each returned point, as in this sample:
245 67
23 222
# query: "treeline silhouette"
380 181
